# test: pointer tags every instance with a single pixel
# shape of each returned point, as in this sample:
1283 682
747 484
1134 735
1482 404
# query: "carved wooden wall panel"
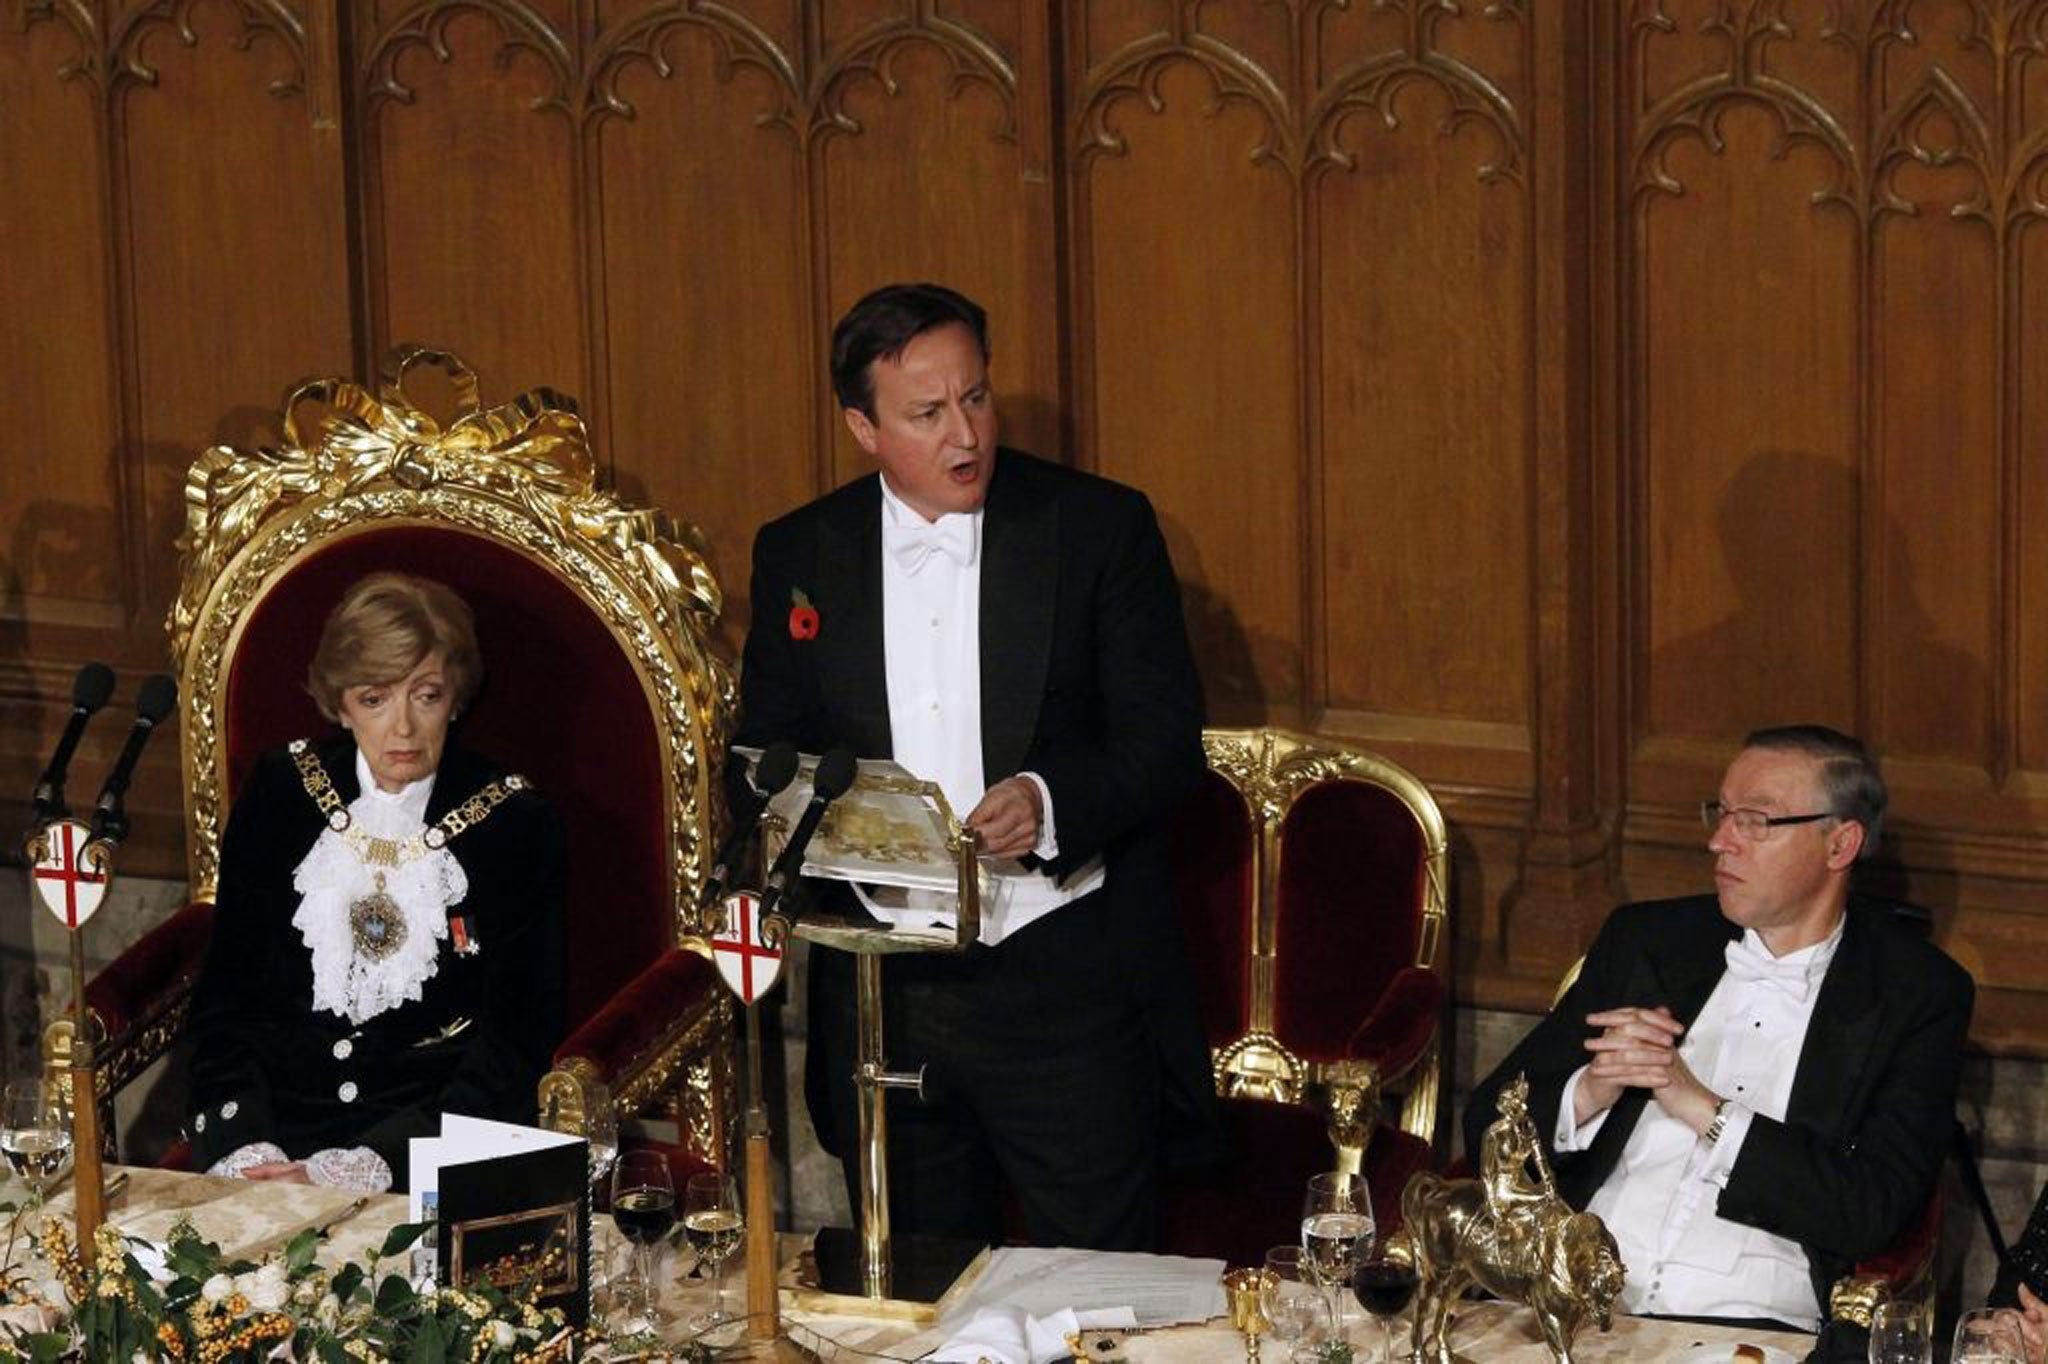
473 200
712 351
1544 393
1186 290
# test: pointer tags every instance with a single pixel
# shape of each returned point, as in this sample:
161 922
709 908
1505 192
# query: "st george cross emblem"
749 966
69 877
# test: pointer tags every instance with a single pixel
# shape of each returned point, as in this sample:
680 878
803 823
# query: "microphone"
775 769
835 773
152 703
89 691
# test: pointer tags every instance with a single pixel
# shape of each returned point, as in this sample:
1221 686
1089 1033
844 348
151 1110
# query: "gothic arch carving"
520 28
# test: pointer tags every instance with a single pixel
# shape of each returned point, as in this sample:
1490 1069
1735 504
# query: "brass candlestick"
1246 1290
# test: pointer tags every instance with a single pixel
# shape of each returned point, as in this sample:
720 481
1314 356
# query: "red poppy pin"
803 617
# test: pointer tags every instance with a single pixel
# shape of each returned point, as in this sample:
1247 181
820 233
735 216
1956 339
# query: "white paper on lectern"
916 809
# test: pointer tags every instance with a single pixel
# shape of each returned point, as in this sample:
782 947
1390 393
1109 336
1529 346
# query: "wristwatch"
1719 1124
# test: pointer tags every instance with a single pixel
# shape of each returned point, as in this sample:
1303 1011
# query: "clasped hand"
1008 817
1637 1048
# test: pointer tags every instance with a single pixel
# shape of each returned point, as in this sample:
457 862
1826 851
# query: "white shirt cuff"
1048 845
355 1168
1571 1134
1720 1157
231 1165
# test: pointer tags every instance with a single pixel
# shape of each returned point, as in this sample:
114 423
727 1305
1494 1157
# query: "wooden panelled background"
1541 392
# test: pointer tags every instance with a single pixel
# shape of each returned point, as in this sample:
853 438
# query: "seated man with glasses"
1753 1089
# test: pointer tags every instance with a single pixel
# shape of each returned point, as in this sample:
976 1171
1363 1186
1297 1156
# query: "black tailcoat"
1873 1098
267 1066
1086 680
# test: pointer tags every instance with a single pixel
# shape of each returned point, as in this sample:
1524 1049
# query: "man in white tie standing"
1753 1089
1012 630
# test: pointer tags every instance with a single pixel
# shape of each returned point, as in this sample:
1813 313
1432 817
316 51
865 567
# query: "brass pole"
874 1129
763 1322
88 1190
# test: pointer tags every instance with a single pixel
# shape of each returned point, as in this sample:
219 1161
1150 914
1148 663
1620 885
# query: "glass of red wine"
1384 1286
644 1207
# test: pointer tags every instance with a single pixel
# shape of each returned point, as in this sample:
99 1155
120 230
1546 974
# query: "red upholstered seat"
592 619
1311 881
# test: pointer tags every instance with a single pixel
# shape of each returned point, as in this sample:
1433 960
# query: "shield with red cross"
749 966
68 877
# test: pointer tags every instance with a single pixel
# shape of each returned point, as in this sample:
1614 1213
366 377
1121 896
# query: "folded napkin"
1005 1335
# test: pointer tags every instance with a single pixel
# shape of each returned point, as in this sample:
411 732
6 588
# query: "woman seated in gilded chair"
387 936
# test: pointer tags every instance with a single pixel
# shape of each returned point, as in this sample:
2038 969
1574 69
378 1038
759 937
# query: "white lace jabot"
332 877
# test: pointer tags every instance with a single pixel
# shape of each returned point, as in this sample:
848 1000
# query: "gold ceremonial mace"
81 861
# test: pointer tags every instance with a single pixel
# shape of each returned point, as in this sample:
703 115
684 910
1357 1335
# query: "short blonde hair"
380 630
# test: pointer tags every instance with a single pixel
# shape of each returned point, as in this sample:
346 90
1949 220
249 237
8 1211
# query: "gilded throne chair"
600 685
1312 888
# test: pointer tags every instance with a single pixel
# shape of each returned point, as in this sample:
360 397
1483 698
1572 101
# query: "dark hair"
1849 780
882 324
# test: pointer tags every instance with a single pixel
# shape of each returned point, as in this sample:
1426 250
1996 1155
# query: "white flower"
502 1335
268 1295
328 1311
217 1288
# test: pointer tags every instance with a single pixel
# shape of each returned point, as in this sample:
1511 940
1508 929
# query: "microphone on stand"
775 770
89 691
152 703
834 775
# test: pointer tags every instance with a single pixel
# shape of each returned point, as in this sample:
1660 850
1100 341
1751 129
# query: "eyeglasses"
1754 825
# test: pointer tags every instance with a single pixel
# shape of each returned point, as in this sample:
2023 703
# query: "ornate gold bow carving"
341 440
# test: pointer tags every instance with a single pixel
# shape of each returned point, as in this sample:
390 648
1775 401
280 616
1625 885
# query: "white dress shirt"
931 642
1683 1258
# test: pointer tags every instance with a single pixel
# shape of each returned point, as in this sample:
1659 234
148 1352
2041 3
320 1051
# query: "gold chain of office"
376 923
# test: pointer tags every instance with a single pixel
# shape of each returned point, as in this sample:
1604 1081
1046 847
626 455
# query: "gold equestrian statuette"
1509 1233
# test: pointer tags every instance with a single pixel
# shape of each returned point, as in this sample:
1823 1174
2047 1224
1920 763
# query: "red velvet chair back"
560 703
1311 887
1350 908
1311 882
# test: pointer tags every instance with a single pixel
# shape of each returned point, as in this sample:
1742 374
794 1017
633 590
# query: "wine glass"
1384 1286
1336 1227
1901 1333
601 1130
1988 1335
34 1137
644 1210
712 1224
1294 1307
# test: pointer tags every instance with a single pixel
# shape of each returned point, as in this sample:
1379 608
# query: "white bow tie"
911 545
1747 963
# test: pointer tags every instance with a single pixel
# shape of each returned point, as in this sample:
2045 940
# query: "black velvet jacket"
267 1066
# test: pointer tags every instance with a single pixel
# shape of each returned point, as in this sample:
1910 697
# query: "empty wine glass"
1293 1302
1336 1229
1901 1333
1988 1335
35 1138
712 1223
644 1210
